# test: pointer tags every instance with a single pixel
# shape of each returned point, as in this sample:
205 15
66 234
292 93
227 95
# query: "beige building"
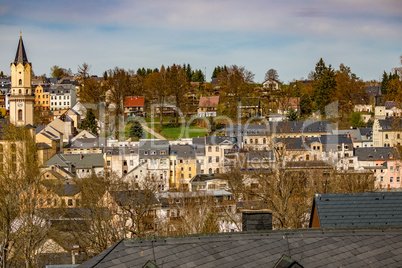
387 132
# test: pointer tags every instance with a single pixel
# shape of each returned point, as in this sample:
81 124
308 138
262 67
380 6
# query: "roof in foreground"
359 209
309 247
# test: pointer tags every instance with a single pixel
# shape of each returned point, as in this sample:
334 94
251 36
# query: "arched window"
210 171
20 82
19 115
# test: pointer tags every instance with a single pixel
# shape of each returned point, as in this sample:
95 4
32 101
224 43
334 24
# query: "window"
217 159
210 159
398 179
210 171
264 140
382 178
217 149
391 168
108 163
397 168
386 136
256 141
131 162
19 115
20 83
189 168
124 163
391 180
189 175
209 148
70 202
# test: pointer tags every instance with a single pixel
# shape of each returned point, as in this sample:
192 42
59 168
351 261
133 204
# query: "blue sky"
289 36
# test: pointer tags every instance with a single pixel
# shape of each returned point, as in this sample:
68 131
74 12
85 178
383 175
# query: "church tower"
22 99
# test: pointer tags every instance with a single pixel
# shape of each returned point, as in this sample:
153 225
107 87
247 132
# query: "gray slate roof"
375 153
390 123
183 151
84 161
20 56
85 143
309 247
359 209
296 127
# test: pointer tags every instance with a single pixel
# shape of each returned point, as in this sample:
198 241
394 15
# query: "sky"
289 36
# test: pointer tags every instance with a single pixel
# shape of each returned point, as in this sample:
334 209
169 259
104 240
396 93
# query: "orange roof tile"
134 101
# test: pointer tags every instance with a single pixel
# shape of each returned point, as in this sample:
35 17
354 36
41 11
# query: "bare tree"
236 82
23 226
178 86
156 84
271 74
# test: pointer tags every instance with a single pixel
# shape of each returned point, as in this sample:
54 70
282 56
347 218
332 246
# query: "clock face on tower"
20 104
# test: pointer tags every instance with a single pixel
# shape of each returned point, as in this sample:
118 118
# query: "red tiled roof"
134 101
209 101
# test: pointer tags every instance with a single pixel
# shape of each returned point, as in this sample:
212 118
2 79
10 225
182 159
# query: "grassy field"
171 132
175 133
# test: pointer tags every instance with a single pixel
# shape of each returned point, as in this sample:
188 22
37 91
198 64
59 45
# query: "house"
210 152
121 160
387 132
155 155
134 106
183 166
260 136
356 210
208 182
85 146
73 115
42 97
361 137
384 162
271 85
66 127
80 165
62 96
208 106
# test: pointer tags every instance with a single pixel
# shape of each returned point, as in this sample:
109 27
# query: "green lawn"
175 133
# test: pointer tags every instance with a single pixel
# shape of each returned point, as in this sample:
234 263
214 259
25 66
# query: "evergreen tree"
292 115
305 105
90 122
324 85
136 130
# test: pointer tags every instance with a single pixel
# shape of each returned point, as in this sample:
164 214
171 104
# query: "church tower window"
19 115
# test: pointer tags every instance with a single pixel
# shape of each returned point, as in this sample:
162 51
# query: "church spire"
20 56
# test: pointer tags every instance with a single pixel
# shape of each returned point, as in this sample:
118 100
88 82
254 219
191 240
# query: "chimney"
256 220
